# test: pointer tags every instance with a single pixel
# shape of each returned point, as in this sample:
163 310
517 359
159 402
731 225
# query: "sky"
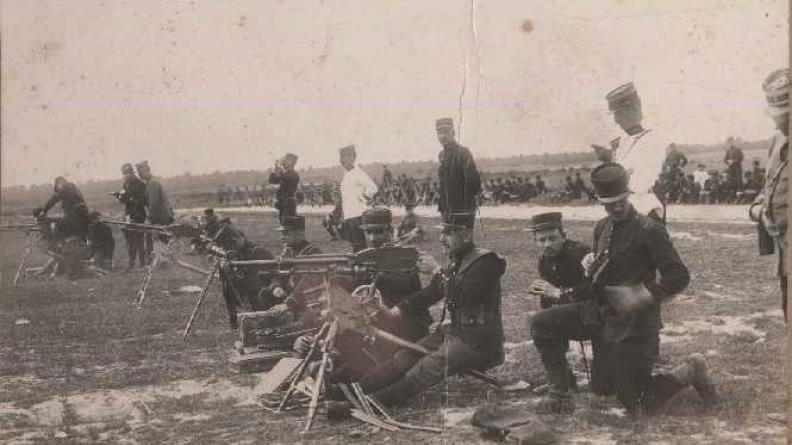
198 86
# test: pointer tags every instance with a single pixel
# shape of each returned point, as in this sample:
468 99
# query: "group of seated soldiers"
609 294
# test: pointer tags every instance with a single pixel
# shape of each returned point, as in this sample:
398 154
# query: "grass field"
78 363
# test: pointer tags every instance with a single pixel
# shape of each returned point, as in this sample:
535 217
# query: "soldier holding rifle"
287 179
630 250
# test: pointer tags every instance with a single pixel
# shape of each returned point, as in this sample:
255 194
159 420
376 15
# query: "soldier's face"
549 242
618 210
292 237
445 135
377 237
782 123
627 117
347 161
454 240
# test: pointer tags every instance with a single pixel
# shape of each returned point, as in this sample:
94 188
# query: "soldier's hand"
543 288
303 344
586 262
426 264
604 154
279 293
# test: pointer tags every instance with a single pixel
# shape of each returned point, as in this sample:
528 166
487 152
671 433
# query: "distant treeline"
187 184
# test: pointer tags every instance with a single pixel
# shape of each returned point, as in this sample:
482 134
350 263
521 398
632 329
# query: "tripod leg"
301 369
320 376
22 260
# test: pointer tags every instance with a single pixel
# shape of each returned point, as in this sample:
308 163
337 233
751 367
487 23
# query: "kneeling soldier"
470 286
630 249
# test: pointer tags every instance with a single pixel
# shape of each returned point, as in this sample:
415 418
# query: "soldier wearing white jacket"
357 189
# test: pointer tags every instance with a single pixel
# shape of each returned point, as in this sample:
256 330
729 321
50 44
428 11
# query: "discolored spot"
527 26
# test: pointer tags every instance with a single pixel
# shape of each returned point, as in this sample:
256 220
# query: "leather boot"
557 401
700 379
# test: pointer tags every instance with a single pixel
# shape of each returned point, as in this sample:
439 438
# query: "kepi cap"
292 223
546 221
444 123
348 150
776 88
611 182
458 221
622 96
376 218
290 157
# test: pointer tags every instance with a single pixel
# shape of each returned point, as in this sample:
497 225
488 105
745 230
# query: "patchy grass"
86 342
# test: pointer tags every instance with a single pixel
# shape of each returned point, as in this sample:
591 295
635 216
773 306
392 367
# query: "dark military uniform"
636 248
565 271
241 285
285 200
133 196
75 212
101 243
473 341
460 182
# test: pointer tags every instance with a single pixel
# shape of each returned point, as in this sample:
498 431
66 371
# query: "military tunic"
638 249
285 200
473 340
459 180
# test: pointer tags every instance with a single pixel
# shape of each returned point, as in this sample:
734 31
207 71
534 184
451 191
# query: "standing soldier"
641 151
357 190
733 160
159 208
458 176
630 251
287 179
133 196
769 208
470 286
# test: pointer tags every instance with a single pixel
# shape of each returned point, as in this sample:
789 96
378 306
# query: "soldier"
133 196
630 249
75 212
100 242
391 288
733 160
292 234
409 229
641 151
540 186
769 208
470 286
241 286
287 179
157 204
458 176
357 190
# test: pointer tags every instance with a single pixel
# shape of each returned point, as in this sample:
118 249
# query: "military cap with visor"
458 221
776 88
376 218
292 223
623 96
611 182
546 221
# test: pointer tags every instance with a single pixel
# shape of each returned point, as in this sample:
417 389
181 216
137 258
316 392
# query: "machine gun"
388 259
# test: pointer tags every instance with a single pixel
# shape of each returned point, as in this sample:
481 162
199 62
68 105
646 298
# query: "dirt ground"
80 364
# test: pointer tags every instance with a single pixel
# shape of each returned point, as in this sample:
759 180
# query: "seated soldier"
100 241
356 355
241 285
473 340
409 230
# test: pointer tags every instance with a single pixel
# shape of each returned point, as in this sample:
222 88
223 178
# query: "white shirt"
643 156
356 188
700 177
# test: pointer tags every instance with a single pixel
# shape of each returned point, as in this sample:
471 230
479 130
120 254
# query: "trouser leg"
551 330
601 380
390 371
630 364
783 282
451 357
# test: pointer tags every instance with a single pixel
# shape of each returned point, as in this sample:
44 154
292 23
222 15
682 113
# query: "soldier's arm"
582 290
54 199
472 178
424 298
674 276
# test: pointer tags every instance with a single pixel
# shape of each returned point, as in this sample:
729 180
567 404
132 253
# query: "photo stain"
527 26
